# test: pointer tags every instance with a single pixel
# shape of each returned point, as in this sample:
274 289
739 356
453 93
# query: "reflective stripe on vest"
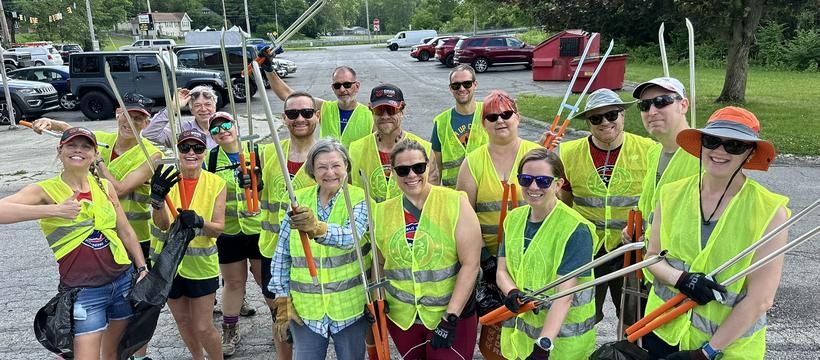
452 151
567 329
358 126
364 155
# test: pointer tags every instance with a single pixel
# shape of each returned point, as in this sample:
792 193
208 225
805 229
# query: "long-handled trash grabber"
502 313
634 227
574 109
172 101
284 168
378 335
660 316
53 133
378 294
509 198
662 43
251 137
692 109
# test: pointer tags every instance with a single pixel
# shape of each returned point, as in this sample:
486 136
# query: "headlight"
28 91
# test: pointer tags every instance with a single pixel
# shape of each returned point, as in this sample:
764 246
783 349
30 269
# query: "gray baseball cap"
667 83
600 98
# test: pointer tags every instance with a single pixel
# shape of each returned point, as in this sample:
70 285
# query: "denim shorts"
95 307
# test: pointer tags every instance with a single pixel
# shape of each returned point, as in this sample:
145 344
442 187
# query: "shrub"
803 51
768 49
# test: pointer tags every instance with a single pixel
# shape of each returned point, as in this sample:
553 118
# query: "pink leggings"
414 343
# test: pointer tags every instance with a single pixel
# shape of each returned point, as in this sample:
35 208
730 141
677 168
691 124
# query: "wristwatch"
711 353
544 343
451 318
142 268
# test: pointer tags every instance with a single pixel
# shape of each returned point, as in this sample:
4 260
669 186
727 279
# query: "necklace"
395 141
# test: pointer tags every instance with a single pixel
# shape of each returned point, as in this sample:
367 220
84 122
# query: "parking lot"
29 272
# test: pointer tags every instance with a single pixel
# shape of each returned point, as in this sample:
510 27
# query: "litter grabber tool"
662 44
255 180
53 133
692 109
509 198
660 316
283 167
553 134
502 313
634 226
173 122
378 292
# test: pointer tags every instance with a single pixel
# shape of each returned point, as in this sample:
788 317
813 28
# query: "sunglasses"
227 126
384 110
504 115
542 182
184 148
660 102
466 84
208 94
734 147
404 170
346 84
294 114
610 116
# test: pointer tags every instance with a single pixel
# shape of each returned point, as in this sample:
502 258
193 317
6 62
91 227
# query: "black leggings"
657 348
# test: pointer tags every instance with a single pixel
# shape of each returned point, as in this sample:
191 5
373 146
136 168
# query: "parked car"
14 60
426 50
409 38
445 50
210 57
261 43
134 72
41 55
57 76
150 44
66 50
30 100
484 51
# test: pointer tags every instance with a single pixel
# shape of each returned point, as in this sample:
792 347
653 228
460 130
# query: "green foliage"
803 52
432 14
534 36
768 48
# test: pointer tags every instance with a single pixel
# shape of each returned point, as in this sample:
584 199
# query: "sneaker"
230 339
247 309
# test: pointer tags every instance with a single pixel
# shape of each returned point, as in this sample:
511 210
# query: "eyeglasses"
504 115
385 110
227 126
466 84
293 114
184 148
609 116
734 147
346 84
659 101
542 182
404 170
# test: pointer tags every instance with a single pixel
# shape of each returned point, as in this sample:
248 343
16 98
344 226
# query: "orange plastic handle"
382 319
560 133
502 313
374 329
254 181
26 124
677 299
550 135
680 310
244 171
308 253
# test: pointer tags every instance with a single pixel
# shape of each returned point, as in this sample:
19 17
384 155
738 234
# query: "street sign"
376 24
144 19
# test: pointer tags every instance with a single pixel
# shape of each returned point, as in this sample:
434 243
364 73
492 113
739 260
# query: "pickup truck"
30 99
134 72
14 60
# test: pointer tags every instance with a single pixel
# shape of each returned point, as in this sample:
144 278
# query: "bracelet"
142 268
98 161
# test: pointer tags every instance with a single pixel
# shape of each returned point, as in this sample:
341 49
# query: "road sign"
376 24
144 19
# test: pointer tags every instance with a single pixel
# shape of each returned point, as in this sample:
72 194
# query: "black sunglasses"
404 170
227 126
734 147
504 115
466 84
184 148
659 101
346 84
542 182
609 116
294 113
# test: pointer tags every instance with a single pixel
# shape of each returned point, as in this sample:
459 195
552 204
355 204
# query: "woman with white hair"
202 101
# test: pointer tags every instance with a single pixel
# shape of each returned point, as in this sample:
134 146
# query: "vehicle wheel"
265 81
481 64
10 67
450 60
96 105
253 88
222 98
238 89
393 47
68 101
424 56
528 66
39 63
4 114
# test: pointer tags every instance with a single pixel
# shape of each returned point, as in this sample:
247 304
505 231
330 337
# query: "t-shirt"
384 158
344 117
663 162
114 154
706 231
190 186
461 125
234 158
411 220
604 161
293 168
577 252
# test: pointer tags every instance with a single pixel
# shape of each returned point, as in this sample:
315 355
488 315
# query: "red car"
444 50
426 50
484 51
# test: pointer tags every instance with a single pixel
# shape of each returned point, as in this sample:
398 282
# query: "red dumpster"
611 75
551 59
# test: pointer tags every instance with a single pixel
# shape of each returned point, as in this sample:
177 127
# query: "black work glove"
244 180
190 219
538 353
699 287
444 335
513 300
688 355
161 184
266 54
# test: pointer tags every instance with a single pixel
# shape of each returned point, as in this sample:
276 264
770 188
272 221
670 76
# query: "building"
166 24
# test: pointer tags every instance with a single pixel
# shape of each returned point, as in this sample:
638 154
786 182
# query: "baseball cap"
192 135
386 94
667 83
601 98
219 115
138 103
733 123
78 131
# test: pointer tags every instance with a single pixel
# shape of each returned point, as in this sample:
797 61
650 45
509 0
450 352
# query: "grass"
784 101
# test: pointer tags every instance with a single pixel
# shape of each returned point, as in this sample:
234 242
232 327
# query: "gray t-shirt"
663 162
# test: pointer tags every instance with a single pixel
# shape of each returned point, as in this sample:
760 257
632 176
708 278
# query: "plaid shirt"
339 236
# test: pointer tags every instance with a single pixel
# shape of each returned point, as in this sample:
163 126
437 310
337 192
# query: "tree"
745 15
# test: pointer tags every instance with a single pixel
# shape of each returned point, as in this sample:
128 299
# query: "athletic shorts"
233 248
96 306
266 278
192 288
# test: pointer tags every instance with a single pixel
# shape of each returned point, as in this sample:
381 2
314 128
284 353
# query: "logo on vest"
96 240
425 250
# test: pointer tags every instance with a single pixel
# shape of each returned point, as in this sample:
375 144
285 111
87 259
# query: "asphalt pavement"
29 272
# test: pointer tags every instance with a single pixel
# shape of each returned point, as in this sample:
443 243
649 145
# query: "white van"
41 55
150 44
409 38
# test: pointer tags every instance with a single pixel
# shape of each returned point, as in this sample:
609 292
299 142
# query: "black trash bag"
53 324
487 294
619 350
149 295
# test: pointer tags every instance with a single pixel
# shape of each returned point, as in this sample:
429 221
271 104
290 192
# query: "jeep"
14 60
210 57
30 100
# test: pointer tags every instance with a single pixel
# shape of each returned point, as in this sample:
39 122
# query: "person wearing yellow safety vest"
604 175
88 232
239 243
344 118
200 196
301 119
371 154
335 307
430 240
456 131
703 221
544 240
484 174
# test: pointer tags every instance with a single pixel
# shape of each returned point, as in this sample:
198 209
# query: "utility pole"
149 6
247 19
154 34
276 15
94 44
6 34
367 25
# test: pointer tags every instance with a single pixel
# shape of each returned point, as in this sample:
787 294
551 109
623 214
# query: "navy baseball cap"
386 94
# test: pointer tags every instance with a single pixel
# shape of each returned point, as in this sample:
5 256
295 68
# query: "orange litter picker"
381 304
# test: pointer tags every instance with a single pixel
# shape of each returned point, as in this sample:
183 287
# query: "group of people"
474 209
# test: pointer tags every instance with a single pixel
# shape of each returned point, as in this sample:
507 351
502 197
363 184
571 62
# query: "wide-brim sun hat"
602 98
731 123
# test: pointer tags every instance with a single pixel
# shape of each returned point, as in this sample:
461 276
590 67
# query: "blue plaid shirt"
339 236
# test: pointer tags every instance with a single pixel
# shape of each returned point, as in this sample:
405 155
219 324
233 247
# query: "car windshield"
72 48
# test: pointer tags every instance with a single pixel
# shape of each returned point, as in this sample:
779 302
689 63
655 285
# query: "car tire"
4 115
265 81
238 89
450 60
96 105
39 63
424 56
481 64
68 101
222 98
10 67
528 66
393 47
